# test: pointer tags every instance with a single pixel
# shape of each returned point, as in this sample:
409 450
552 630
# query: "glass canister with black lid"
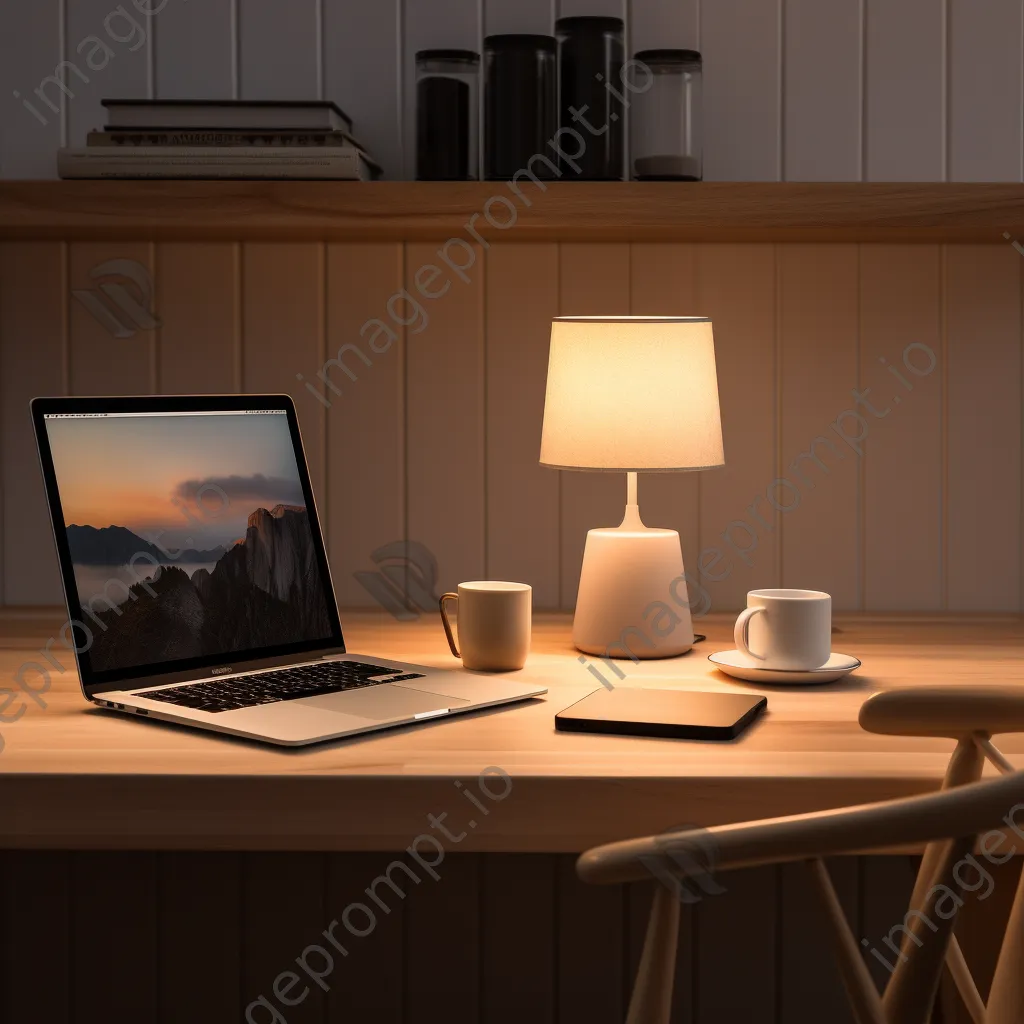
666 130
447 115
590 97
520 104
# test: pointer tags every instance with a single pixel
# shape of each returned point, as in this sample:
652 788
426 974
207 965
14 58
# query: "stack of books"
237 139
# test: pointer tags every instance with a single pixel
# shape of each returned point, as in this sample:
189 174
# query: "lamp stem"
631 520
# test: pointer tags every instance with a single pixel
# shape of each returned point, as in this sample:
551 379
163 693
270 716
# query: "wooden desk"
72 777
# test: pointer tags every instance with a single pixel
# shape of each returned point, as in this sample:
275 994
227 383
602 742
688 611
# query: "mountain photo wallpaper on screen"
189 535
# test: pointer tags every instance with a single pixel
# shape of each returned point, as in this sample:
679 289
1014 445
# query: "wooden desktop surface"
74 777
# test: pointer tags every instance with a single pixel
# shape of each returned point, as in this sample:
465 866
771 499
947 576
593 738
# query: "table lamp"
629 394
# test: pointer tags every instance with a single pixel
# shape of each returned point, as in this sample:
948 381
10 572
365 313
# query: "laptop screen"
189 537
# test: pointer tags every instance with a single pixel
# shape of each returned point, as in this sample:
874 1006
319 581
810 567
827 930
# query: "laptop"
196 579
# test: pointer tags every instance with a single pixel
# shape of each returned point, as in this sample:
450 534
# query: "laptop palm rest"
379 703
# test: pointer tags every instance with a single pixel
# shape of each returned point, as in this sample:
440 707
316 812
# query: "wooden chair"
948 821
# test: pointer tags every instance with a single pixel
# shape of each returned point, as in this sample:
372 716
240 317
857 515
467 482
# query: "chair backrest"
971 715
949 821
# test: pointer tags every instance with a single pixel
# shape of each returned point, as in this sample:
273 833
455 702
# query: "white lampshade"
632 393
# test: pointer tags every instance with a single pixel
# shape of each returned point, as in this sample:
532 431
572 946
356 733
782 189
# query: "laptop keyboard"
277 685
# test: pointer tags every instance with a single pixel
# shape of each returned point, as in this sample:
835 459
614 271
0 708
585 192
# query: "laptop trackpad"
388 700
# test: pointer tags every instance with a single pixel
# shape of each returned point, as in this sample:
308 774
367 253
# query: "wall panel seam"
780 86
236 58
156 344
862 134
944 427
777 349
862 558
946 75
63 44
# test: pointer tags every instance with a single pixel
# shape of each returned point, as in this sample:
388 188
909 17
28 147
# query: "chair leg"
1006 999
651 1002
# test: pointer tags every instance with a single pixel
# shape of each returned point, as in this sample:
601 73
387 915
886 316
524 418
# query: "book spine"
219 138
160 162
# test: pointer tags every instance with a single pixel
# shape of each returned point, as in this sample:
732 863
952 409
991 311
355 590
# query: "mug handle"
447 625
741 634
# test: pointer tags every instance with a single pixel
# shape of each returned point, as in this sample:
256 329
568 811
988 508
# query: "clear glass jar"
590 91
666 115
447 115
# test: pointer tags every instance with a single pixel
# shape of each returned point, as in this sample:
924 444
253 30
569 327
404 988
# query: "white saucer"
732 663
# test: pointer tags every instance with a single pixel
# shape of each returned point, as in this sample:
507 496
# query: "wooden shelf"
623 211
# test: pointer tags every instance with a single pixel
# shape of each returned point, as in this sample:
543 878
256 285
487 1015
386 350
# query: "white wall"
926 90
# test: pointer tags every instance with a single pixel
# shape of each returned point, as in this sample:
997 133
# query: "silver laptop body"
196 579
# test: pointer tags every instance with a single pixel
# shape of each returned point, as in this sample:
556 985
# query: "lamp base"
632 600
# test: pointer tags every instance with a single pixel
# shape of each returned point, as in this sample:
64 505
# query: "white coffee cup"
786 629
494 621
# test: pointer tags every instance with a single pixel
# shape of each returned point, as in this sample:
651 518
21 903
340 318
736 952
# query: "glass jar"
447 115
520 104
590 91
666 116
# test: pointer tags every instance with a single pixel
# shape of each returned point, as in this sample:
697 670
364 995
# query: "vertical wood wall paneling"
594 281
522 495
197 303
984 68
518 911
900 301
821 538
444 409
200 899
531 16
742 90
654 25
591 951
111 45
28 146
35 916
811 988
363 73
822 91
663 282
984 427
904 82
283 335
194 50
284 910
430 25
639 896
745 356
442 975
886 885
114 907
33 340
368 983
101 362
737 967
366 422
279 50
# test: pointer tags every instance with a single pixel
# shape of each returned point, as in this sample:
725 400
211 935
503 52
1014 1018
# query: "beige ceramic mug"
493 624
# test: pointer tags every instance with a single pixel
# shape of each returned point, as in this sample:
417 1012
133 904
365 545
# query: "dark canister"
590 58
520 104
447 115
